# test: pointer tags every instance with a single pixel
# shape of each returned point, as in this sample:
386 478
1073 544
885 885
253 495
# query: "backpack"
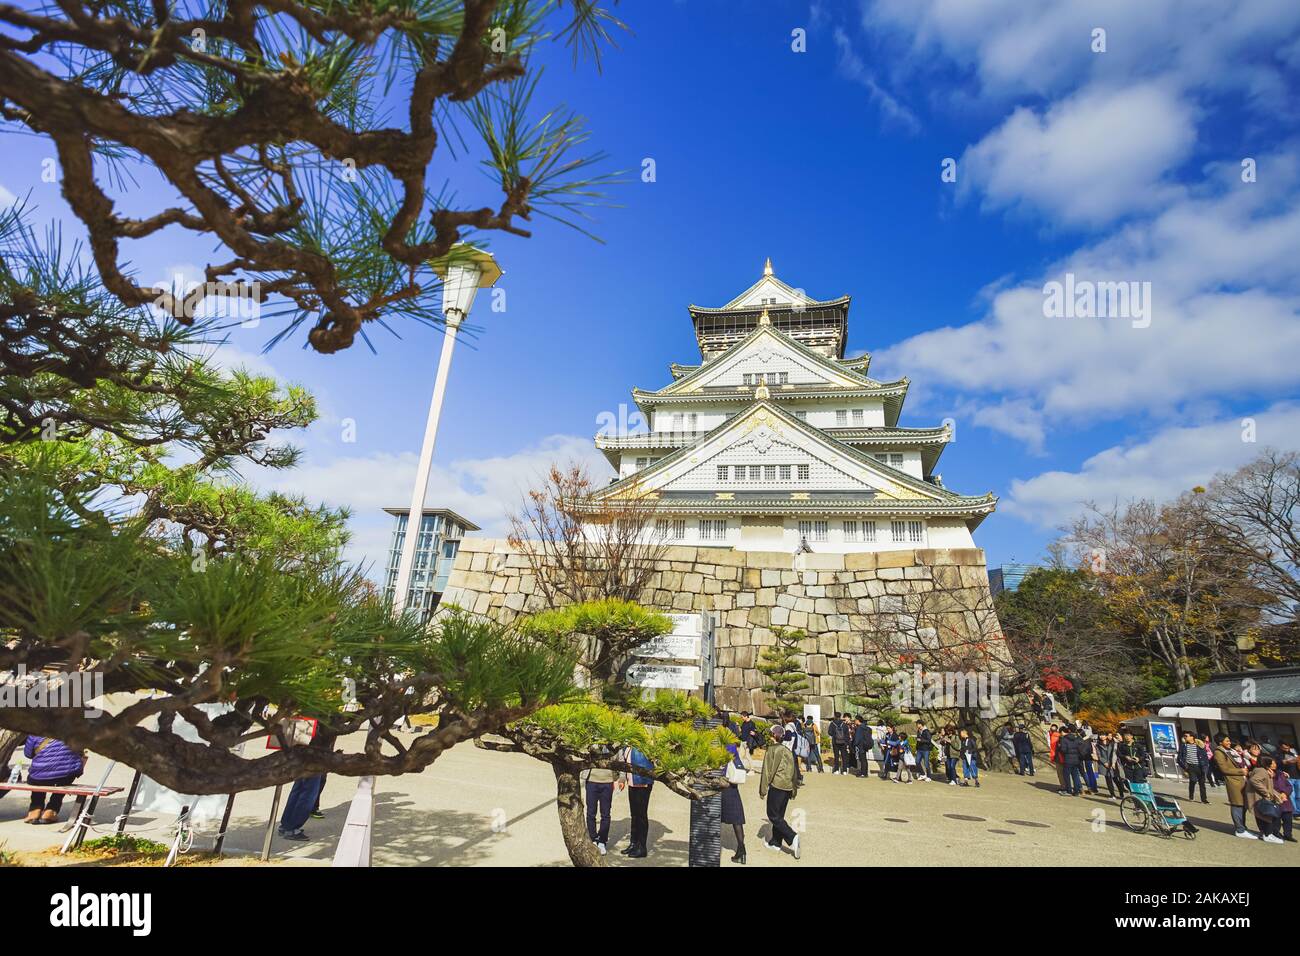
801 748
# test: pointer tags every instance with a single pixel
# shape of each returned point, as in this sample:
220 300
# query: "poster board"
1164 747
300 731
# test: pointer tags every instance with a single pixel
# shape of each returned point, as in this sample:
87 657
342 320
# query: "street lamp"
464 271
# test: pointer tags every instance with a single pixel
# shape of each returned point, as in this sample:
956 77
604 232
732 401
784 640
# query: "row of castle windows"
715 529
762 472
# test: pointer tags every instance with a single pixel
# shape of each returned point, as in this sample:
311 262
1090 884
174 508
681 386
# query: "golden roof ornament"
765 319
761 393
767 266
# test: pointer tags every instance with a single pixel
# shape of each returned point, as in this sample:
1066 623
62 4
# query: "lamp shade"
464 271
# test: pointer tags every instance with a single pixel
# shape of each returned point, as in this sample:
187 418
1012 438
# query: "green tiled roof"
1279 686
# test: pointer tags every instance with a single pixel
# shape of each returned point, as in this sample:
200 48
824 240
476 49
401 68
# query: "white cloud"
1088 160
1225 320
1014 49
484 490
1165 465
852 66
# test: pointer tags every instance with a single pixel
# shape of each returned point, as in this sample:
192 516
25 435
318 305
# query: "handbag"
908 758
1268 809
735 775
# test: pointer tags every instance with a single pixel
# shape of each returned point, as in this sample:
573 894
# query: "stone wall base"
749 593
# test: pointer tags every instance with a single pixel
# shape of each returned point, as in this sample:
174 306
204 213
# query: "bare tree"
580 548
1171 582
1256 511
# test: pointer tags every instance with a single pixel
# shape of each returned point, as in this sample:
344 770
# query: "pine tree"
876 699
779 664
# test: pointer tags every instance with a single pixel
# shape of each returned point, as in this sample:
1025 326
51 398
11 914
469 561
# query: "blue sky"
1123 165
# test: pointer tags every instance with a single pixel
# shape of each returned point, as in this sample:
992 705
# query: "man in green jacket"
778 782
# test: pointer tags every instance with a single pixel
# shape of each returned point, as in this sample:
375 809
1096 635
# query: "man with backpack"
862 744
840 741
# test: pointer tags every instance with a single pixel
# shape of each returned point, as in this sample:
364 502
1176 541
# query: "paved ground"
475 808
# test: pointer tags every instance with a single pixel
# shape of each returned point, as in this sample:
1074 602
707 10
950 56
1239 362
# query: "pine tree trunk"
10 740
573 820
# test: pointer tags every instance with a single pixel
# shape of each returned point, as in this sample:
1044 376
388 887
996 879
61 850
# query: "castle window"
769 472
857 416
803 472
722 473
841 417
869 531
916 532
755 472
896 460
785 472
713 529
898 531
802 416
850 531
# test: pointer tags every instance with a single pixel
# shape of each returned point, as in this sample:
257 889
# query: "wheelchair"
1142 810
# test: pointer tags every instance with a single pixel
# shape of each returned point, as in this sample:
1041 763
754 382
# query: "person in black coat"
862 744
733 808
748 731
1024 748
1071 749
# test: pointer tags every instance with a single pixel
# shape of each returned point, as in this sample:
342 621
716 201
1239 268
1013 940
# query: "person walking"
1108 757
1089 740
1212 774
1289 763
1191 760
638 802
924 744
1023 745
600 797
778 782
1054 736
304 795
906 760
1282 784
813 735
970 765
840 742
1262 797
748 732
889 750
862 744
951 745
1232 765
1070 751
53 764
733 807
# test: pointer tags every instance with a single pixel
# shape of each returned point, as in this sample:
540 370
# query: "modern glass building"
435 553
1009 576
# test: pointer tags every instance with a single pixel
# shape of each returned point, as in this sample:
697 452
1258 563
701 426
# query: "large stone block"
677 553
863 561
778 560
895 559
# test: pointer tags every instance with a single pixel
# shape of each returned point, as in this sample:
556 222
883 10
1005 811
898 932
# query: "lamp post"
464 271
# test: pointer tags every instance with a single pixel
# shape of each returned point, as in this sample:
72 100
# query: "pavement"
475 808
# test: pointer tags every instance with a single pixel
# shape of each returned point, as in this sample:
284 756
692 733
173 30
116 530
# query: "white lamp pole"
463 273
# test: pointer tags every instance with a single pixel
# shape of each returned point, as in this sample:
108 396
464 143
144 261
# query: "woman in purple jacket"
52 765
1282 784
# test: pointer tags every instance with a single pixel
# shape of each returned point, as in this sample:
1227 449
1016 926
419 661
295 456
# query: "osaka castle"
775 441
